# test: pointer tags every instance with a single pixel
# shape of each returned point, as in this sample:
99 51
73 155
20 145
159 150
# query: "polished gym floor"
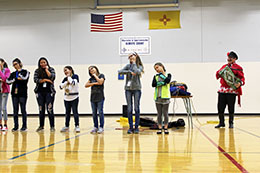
199 149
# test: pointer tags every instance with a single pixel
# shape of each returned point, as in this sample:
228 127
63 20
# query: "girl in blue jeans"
19 80
96 82
4 92
133 72
71 97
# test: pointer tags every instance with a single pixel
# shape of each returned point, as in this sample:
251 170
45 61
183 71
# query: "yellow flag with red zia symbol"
164 19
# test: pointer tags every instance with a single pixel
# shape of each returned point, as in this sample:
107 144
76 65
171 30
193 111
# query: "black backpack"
180 122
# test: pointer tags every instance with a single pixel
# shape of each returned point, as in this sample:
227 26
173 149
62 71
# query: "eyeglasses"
14 64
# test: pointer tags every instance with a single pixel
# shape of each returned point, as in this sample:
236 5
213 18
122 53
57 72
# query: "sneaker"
52 129
166 131
136 131
14 129
5 128
1 127
100 130
23 129
94 130
64 129
159 131
130 131
219 125
77 129
40 129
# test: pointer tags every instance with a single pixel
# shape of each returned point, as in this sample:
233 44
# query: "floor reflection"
177 157
3 150
133 156
230 148
71 153
46 155
18 150
97 158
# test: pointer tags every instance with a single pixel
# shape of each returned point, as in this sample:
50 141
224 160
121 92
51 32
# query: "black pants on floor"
45 101
226 99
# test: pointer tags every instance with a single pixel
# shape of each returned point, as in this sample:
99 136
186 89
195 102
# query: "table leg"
187 105
187 109
190 112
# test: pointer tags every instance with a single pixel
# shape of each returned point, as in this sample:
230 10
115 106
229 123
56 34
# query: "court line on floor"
47 146
240 167
248 132
132 151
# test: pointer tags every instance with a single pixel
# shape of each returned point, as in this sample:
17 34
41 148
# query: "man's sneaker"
52 129
64 129
23 129
100 130
136 131
40 129
77 129
14 129
1 127
94 130
219 125
130 131
5 128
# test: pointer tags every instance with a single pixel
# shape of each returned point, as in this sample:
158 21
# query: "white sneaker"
100 130
94 130
4 128
77 129
64 129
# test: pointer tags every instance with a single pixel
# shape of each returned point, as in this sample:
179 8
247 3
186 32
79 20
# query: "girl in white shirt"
71 97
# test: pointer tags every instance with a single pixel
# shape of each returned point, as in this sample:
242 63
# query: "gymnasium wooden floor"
201 149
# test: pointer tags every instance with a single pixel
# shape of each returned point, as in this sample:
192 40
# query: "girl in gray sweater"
133 72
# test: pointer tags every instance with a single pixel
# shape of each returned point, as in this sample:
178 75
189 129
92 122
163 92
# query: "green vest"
165 90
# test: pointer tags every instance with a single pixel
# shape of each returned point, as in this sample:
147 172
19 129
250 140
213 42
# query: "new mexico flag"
164 19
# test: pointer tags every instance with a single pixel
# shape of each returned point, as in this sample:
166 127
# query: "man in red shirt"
227 94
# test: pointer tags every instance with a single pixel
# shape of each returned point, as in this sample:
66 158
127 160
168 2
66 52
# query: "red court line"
240 167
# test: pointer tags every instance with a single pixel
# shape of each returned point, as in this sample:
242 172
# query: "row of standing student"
44 77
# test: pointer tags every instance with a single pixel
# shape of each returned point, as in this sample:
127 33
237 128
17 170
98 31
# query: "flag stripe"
114 17
106 27
110 23
97 25
114 14
106 30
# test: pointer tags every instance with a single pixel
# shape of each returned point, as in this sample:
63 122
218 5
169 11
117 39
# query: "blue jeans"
3 103
74 106
129 94
98 106
45 100
22 102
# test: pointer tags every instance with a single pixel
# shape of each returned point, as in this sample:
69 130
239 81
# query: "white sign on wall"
138 44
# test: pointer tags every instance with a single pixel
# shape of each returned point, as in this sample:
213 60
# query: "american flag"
107 23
